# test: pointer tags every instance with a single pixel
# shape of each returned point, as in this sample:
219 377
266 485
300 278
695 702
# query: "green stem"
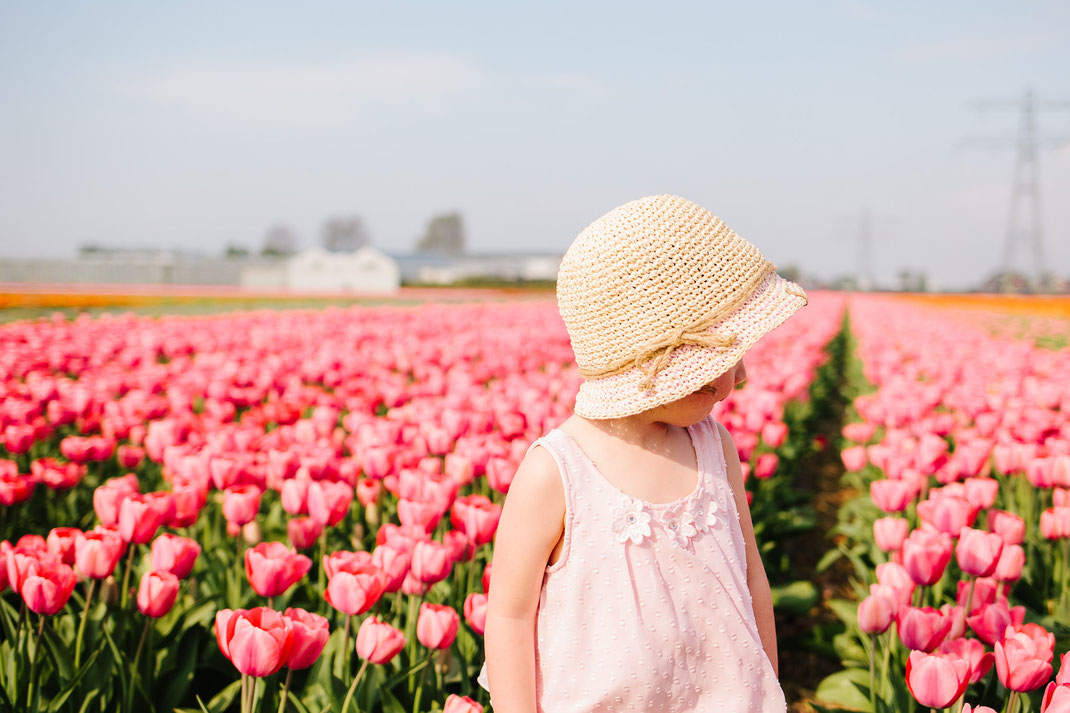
323 552
133 666
285 690
352 687
244 693
872 665
252 693
126 575
346 660
420 685
1012 703
31 692
81 624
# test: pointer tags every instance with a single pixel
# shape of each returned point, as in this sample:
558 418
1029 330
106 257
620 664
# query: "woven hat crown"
650 276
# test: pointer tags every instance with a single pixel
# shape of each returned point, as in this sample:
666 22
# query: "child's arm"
756 578
531 524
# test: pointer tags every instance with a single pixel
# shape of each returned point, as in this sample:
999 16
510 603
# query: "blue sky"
200 124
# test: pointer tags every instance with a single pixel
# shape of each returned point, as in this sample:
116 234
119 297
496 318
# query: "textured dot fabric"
647 608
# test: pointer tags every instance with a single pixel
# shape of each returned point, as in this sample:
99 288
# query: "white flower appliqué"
707 513
631 521
681 526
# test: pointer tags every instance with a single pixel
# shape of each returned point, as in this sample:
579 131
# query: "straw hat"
660 297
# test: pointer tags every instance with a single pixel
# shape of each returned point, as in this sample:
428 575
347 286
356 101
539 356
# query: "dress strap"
708 439
559 445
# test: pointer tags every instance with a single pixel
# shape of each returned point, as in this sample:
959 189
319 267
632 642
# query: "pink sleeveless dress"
647 608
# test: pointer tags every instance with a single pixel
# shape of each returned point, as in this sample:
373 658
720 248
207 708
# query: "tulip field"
295 510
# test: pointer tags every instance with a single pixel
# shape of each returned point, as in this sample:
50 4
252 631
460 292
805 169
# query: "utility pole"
1024 223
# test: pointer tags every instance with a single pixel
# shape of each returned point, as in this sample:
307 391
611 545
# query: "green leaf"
61 655
67 690
840 689
223 699
828 559
795 598
390 703
846 610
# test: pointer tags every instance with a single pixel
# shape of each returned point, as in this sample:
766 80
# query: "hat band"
654 355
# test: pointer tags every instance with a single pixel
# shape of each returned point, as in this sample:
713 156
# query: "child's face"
697 405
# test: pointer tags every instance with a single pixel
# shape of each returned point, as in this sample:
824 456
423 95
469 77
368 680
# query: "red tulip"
257 641
188 500
46 586
174 554
377 642
436 627
15 488
461 704
272 568
157 593
57 475
921 628
310 634
328 502
241 503
993 619
130 457
1020 662
977 551
475 611
96 553
936 680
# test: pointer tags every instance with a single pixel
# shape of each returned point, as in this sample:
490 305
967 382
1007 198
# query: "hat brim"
690 367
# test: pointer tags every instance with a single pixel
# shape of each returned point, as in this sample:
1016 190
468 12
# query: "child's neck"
640 430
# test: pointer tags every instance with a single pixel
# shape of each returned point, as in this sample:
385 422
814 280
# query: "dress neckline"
699 474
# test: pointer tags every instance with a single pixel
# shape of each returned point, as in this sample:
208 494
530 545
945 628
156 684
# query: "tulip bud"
436 626
875 614
377 642
157 593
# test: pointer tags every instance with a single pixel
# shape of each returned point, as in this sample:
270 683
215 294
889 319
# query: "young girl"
626 575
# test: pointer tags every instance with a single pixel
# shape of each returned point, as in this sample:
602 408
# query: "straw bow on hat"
660 297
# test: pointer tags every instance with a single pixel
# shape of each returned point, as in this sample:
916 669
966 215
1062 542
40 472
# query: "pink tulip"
377 642
188 500
1011 561
97 553
936 680
1008 525
854 458
368 491
46 586
921 628
431 561
303 532
1020 662
257 641
1064 669
241 503
1056 698
889 532
436 626
61 541
948 514
295 496
310 634
355 589
984 593
475 611
977 551
978 709
106 502
139 519
992 620
1055 523
972 651
130 457
982 491
477 517
418 514
156 594
891 495
174 554
926 554
394 563
461 704
272 568
329 502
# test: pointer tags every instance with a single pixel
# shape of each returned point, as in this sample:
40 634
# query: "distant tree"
279 241
444 236
235 250
344 235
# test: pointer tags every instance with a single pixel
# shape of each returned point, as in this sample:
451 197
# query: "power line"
1024 224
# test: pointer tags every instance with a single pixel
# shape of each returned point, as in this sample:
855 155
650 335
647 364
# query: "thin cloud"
977 47
312 95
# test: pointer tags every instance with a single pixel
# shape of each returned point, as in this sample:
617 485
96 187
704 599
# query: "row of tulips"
962 451
310 486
